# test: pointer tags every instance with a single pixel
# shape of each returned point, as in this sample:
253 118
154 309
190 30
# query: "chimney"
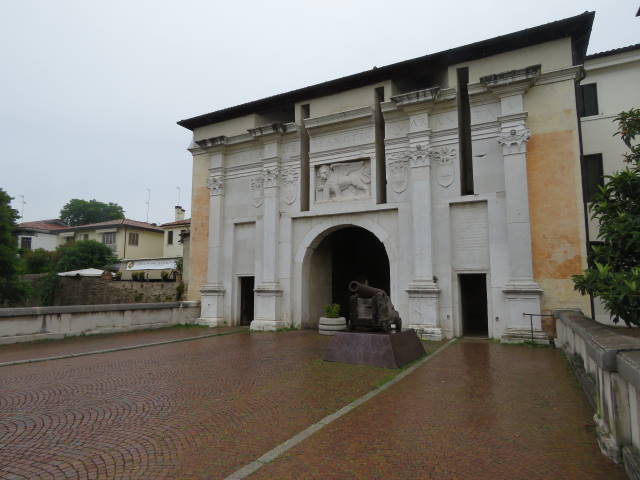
179 212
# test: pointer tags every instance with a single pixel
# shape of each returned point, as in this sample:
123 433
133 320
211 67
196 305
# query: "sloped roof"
613 51
186 221
121 222
577 27
42 225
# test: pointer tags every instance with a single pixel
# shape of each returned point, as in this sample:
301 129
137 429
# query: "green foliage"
180 291
84 254
38 260
82 212
332 310
614 265
12 289
179 265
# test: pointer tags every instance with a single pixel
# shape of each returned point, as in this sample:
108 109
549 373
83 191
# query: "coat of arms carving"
257 190
444 158
398 172
289 185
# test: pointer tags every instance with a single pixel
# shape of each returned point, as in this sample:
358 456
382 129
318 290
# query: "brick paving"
90 343
190 410
479 410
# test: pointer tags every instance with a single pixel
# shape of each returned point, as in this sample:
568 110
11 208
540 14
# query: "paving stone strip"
274 453
118 349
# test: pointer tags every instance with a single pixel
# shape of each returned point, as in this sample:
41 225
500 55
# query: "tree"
614 265
84 254
38 260
82 212
12 289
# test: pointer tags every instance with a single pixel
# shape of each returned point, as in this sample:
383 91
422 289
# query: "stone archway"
329 256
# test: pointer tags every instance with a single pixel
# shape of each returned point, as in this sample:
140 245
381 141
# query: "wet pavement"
478 410
91 343
205 408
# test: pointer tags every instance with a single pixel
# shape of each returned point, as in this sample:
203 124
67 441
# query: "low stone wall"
37 323
98 291
608 366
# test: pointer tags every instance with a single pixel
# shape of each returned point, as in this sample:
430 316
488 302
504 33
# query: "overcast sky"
90 91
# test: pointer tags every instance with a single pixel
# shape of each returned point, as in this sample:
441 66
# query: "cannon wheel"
399 325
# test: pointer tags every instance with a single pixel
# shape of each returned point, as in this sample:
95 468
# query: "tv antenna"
22 209
148 202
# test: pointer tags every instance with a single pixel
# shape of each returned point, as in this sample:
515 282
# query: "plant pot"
329 326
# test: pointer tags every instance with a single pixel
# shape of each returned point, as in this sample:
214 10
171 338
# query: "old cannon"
371 308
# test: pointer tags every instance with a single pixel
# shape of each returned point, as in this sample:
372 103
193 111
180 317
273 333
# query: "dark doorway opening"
356 253
246 300
473 301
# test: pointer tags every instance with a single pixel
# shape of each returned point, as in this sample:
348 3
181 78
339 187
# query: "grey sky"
90 91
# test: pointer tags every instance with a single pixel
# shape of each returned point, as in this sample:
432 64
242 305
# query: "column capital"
215 184
514 140
271 176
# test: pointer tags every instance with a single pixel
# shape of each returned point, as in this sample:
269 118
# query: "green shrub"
332 310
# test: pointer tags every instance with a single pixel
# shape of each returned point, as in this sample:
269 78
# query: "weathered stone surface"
386 350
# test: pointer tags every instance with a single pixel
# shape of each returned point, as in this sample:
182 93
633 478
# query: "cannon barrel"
365 291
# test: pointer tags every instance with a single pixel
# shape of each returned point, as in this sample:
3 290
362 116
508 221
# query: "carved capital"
514 140
271 176
215 184
419 156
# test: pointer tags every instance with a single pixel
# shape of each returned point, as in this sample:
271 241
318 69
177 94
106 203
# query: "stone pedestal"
212 306
523 298
267 308
385 350
423 309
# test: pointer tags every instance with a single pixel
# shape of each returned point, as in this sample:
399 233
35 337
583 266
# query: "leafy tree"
12 289
81 212
614 266
84 254
38 260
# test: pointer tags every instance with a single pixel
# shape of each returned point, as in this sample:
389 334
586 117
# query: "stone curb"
274 453
116 349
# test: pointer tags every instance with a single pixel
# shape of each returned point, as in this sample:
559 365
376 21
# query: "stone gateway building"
452 181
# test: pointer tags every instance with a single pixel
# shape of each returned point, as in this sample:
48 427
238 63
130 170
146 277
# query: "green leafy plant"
164 275
82 212
332 310
12 289
84 254
180 291
614 265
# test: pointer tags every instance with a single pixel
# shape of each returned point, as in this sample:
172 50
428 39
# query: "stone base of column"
423 310
523 298
267 308
212 306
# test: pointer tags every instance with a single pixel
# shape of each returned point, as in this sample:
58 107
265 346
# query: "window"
593 175
85 236
25 243
133 239
170 237
68 240
109 238
589 95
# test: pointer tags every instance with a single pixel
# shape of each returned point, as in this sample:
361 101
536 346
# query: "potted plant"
332 322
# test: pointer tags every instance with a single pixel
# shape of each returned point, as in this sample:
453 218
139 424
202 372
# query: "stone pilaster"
268 293
212 292
422 291
521 292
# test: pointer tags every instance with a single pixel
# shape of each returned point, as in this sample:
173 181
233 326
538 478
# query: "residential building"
173 233
39 234
129 239
610 86
452 181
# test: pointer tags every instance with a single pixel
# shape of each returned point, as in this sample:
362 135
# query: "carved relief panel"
343 181
398 171
289 184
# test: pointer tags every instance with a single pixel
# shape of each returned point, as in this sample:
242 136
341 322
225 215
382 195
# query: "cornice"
563 74
594 64
418 96
212 142
511 82
340 117
265 130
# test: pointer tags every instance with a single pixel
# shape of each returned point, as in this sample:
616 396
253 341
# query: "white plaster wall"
46 241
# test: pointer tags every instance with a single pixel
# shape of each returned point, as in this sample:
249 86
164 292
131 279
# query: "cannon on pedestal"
371 308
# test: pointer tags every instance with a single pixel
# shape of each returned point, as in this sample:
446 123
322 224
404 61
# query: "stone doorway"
247 284
473 304
344 255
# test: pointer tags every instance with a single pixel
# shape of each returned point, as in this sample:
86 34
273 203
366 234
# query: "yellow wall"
149 243
175 249
199 226
552 55
555 194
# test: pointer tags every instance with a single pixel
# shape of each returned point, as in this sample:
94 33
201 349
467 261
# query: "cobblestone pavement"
479 410
190 410
89 343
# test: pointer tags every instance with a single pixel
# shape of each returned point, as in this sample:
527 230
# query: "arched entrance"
343 254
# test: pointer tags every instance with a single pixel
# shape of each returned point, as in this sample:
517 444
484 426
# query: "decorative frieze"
343 181
398 164
215 184
514 141
212 142
289 178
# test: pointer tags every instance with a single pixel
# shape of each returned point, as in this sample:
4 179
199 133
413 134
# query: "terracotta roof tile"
53 224
186 221
116 223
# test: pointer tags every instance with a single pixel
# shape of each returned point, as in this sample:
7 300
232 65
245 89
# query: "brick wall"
96 291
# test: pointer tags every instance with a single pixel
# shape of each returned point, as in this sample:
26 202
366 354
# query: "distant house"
39 234
129 239
173 232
